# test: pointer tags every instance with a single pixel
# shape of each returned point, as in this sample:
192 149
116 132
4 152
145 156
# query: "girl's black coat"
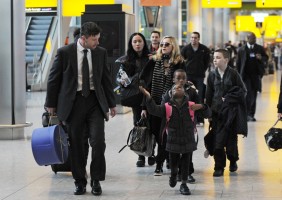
180 138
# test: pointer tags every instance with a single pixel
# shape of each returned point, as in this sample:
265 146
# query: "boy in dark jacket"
225 96
180 132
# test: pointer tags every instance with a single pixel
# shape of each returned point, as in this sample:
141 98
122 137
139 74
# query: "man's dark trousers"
86 112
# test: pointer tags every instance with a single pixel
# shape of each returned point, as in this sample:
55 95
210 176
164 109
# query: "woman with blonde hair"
157 77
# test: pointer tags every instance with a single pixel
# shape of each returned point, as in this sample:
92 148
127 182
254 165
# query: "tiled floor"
259 175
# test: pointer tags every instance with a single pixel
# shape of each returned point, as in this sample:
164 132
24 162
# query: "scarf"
160 82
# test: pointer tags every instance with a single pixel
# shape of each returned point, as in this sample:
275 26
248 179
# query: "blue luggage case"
50 145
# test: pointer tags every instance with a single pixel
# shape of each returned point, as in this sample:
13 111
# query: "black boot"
141 161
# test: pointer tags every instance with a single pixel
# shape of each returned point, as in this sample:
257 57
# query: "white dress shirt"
80 55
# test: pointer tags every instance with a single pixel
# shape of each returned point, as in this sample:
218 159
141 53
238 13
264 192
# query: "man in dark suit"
250 64
197 57
83 102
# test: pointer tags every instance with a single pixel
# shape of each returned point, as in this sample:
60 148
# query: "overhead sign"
39 7
221 3
245 23
155 2
69 7
40 3
268 3
75 7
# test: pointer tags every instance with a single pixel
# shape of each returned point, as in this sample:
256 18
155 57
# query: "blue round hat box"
49 145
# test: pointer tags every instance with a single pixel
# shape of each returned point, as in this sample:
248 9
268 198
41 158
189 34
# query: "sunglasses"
166 44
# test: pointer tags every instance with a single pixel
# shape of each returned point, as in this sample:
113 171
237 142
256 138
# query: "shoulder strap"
168 111
191 112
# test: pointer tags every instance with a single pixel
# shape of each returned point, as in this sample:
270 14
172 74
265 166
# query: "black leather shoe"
96 188
184 189
218 173
191 179
251 119
233 167
79 190
172 181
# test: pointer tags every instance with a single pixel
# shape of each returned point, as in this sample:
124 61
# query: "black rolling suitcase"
65 167
49 121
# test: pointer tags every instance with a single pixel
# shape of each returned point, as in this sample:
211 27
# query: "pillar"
218 27
12 70
171 24
207 35
194 18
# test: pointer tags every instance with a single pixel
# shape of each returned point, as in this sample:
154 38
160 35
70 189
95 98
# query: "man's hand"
51 111
144 114
113 111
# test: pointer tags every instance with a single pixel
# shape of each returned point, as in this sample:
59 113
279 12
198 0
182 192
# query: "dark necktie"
85 75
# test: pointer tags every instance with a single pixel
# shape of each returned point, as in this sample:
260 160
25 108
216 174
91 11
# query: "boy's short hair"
179 70
224 52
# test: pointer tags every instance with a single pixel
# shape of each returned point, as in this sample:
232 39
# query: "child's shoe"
184 189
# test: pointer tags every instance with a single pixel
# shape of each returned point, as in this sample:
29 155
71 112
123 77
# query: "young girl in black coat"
180 77
180 132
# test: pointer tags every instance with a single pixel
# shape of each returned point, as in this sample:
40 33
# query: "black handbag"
273 138
131 96
209 141
140 139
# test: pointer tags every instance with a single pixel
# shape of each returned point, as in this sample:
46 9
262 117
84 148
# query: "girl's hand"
196 107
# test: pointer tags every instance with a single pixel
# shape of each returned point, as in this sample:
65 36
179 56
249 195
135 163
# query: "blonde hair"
175 55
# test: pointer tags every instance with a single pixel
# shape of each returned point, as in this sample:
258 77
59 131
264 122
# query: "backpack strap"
192 115
191 112
168 111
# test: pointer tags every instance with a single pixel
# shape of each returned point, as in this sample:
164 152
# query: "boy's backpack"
168 111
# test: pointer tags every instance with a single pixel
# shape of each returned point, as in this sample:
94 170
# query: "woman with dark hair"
132 64
158 78
76 34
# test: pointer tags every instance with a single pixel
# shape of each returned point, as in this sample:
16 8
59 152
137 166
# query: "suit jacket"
242 57
62 83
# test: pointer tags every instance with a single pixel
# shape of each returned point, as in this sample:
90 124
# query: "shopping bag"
273 138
